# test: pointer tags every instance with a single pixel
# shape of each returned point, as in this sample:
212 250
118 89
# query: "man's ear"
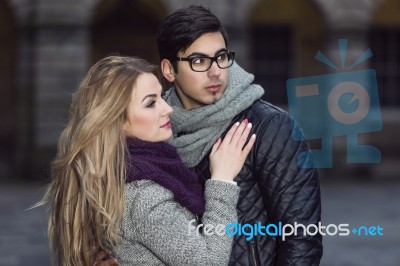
167 70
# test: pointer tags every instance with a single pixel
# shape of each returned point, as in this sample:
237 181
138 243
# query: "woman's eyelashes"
154 99
151 104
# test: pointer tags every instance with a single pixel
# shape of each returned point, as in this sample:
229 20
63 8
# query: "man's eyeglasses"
203 63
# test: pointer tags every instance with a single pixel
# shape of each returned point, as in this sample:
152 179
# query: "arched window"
126 27
285 35
384 39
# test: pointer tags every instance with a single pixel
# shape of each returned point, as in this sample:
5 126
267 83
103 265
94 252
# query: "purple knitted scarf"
160 162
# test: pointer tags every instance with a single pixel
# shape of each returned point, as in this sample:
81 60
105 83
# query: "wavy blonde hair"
85 195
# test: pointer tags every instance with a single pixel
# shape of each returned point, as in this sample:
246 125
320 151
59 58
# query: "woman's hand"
103 258
228 156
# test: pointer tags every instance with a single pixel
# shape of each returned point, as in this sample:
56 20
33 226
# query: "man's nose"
214 70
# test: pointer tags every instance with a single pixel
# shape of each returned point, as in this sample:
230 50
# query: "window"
385 43
271 57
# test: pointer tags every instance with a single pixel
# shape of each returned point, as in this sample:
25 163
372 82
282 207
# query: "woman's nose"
167 109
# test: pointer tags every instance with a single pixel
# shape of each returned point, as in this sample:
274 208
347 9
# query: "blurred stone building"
47 46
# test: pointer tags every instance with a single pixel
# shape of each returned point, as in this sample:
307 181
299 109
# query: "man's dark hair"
183 27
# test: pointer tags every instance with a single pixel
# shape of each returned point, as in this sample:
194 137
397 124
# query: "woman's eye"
151 104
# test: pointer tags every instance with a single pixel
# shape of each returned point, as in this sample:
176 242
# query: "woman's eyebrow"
149 95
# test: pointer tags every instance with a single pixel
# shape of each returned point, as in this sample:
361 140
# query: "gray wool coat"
155 227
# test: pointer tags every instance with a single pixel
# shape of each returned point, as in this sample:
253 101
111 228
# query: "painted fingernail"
253 136
237 124
245 121
249 125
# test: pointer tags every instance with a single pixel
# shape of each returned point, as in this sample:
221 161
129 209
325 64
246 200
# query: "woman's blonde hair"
85 195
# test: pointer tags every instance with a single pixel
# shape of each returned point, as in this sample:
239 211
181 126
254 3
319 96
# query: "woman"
117 184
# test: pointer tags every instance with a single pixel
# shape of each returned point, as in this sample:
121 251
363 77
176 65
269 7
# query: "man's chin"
205 101
216 98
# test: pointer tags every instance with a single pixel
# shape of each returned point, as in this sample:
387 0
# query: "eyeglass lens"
223 60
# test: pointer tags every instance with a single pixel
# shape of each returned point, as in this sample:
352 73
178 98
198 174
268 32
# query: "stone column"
25 12
60 61
348 20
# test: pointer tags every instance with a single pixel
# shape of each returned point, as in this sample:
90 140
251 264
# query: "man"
210 92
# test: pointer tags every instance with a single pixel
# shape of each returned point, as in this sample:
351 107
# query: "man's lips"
167 125
214 88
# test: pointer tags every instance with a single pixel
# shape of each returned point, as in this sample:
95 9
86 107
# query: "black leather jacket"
274 189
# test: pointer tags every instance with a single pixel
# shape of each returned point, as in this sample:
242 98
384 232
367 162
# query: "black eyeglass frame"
212 58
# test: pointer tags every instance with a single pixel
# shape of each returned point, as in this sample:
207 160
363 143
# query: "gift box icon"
338 104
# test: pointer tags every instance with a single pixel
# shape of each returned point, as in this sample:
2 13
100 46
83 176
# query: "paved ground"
22 231
362 204
23 242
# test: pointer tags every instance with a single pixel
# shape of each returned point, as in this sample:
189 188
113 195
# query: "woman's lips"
167 125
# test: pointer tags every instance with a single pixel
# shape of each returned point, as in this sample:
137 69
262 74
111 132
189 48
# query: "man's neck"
187 105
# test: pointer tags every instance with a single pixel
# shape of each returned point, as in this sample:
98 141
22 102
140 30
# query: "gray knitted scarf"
196 130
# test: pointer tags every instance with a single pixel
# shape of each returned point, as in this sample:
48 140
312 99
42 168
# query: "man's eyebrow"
149 95
201 54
